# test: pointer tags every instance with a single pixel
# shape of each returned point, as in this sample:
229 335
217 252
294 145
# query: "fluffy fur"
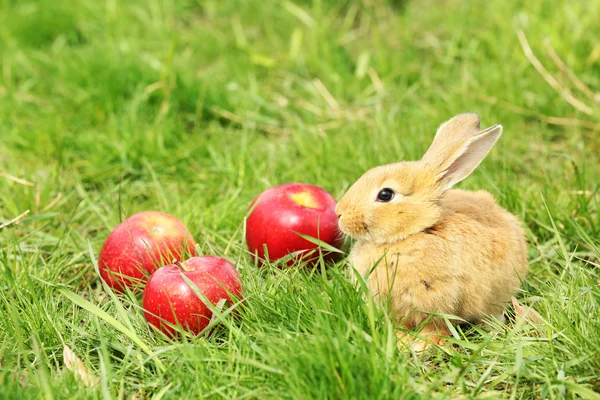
431 249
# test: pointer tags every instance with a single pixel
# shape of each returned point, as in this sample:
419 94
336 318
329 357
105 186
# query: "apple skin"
281 211
141 244
168 296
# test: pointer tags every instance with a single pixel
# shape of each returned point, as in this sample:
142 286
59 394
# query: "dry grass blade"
569 122
559 121
377 83
331 101
18 180
568 72
75 365
53 202
14 220
564 92
269 129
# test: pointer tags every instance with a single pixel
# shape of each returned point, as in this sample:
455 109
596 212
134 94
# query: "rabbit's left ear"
459 148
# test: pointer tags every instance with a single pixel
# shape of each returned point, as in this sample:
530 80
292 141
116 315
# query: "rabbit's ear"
458 148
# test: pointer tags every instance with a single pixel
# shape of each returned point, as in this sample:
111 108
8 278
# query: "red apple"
168 297
140 245
282 211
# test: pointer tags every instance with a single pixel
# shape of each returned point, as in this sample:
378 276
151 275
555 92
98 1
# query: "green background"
193 108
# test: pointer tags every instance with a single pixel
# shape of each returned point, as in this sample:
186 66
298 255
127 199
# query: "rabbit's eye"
385 195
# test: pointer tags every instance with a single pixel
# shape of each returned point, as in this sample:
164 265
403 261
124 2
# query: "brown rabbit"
431 250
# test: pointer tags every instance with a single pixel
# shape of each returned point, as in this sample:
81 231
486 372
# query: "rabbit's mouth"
360 230
352 227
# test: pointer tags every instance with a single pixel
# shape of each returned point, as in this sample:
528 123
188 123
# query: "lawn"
193 108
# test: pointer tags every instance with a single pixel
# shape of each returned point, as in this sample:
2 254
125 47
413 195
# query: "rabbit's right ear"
458 148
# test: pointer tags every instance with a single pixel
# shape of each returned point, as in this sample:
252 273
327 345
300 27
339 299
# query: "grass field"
108 108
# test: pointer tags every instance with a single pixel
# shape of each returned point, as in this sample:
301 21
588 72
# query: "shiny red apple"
140 245
281 212
169 298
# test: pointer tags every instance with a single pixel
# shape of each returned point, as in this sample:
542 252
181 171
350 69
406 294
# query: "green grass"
195 107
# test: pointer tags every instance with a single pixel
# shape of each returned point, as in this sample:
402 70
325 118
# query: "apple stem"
179 265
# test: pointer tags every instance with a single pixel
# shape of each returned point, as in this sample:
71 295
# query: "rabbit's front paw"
428 336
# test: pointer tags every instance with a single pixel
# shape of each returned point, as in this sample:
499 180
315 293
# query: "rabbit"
428 249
